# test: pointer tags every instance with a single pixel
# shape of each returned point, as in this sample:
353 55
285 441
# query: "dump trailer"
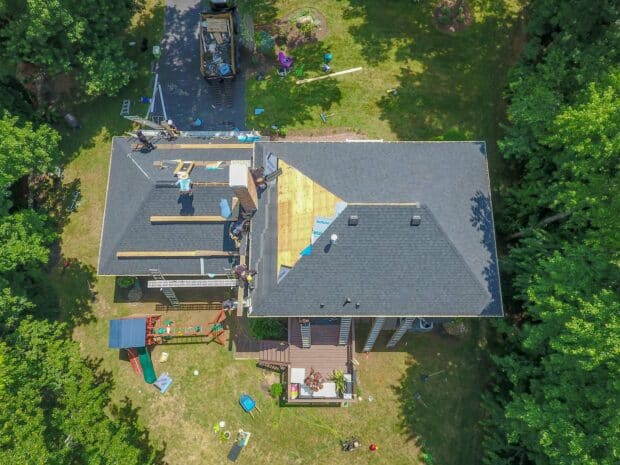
218 54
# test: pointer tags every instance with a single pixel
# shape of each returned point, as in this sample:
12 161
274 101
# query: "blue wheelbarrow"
248 404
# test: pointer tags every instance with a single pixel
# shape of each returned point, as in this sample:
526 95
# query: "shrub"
445 11
265 43
276 390
306 28
445 20
266 328
460 18
126 282
339 381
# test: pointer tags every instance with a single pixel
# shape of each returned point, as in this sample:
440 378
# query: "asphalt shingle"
449 178
133 197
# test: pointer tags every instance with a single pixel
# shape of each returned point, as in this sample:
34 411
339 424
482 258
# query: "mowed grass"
448 86
396 44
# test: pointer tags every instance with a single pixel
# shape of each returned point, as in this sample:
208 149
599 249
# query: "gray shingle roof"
450 179
132 197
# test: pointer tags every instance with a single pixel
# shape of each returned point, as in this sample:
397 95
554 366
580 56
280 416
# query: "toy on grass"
285 62
248 404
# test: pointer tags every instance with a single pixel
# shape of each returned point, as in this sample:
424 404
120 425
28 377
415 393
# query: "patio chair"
248 404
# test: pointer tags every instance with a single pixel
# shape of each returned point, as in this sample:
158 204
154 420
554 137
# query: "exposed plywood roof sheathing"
300 202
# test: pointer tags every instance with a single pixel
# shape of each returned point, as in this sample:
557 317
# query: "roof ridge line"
458 252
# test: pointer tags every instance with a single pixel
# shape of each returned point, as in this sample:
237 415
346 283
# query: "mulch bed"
452 16
287 34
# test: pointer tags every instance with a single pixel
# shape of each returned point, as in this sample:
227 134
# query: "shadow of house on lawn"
287 103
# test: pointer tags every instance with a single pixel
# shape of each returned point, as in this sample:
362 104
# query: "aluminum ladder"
405 324
374 334
306 338
168 292
345 330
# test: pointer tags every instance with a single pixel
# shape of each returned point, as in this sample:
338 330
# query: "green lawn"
448 86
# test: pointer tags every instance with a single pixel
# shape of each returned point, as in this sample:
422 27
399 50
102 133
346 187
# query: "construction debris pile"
217 46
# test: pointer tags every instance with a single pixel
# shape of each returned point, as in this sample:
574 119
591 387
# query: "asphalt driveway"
186 94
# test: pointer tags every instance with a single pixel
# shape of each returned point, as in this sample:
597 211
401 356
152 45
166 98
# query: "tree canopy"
80 37
556 395
53 404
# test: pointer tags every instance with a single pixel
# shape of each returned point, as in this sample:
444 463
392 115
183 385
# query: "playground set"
135 334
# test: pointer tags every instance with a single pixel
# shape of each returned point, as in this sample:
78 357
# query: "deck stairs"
274 353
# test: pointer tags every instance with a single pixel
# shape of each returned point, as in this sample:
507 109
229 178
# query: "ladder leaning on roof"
168 292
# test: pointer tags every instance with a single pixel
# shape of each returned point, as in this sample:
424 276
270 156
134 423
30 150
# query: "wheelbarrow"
248 404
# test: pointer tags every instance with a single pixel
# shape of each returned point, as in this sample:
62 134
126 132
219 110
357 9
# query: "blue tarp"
224 208
127 333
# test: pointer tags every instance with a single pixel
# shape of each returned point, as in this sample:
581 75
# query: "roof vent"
333 238
415 220
353 220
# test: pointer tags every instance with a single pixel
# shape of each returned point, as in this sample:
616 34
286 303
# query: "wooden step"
274 352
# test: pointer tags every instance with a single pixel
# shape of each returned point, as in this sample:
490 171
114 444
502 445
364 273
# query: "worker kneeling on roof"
184 183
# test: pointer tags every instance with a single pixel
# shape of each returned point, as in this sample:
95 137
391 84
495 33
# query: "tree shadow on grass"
137 435
287 103
450 86
441 394
261 11
69 292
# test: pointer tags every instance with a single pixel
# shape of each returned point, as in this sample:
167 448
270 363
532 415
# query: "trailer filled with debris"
217 45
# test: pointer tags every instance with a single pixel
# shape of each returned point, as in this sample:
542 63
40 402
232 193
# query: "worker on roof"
184 183
171 130
144 141
260 181
243 273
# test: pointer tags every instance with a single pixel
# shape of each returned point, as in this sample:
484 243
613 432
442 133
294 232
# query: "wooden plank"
300 201
174 253
248 146
339 73
184 167
207 163
216 25
191 219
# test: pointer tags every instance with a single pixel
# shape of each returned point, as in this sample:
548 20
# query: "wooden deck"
325 355
274 353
